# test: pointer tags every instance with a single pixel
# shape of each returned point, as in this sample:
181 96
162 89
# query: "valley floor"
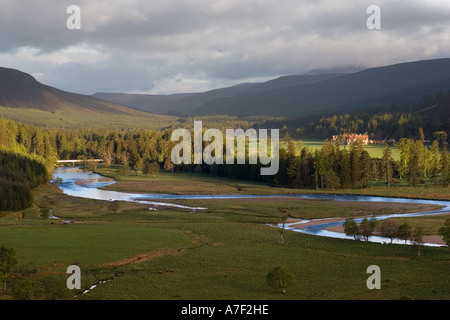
224 252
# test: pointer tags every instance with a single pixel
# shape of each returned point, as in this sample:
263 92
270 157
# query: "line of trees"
381 126
364 230
389 229
335 167
416 160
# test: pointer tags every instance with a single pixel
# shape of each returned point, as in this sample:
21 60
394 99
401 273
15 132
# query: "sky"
178 46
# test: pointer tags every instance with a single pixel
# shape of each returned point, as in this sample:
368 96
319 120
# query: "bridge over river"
78 161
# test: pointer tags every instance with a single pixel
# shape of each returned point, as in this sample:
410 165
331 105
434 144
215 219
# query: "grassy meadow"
375 150
223 252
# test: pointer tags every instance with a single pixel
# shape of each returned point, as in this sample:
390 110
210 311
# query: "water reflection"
76 182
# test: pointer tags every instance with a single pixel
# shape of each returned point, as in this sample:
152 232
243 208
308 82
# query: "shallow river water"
77 183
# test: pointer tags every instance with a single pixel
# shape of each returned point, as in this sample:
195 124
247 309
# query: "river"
77 183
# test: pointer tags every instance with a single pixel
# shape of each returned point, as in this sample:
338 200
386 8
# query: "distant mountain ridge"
370 88
317 92
21 90
189 102
145 102
163 104
286 96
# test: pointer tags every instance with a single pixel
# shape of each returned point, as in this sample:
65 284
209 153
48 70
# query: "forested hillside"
19 174
395 121
26 162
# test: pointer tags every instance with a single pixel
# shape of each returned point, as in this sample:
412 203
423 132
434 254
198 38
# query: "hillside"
23 98
164 104
436 111
370 88
21 90
145 102
188 102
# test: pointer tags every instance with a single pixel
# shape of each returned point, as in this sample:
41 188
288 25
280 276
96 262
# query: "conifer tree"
445 172
386 165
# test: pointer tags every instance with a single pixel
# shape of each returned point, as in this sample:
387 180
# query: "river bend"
77 183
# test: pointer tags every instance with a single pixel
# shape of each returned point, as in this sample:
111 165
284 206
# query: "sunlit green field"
223 252
87 243
375 151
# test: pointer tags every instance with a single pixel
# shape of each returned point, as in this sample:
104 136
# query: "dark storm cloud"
167 46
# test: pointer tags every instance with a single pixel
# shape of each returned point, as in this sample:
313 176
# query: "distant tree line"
380 126
336 167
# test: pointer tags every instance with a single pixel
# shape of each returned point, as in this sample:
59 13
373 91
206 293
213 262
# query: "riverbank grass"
223 252
193 183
